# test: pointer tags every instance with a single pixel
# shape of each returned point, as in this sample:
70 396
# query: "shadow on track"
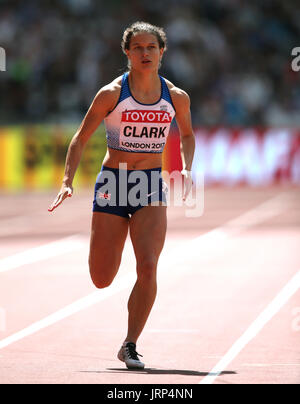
152 371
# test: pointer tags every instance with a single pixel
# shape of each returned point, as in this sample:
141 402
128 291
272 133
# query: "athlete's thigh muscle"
148 231
108 235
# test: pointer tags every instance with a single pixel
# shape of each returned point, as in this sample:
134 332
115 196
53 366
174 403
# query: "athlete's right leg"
108 237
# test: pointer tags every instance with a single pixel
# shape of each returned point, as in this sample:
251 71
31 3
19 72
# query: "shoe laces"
131 352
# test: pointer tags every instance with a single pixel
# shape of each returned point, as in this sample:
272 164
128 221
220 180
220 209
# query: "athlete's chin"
150 66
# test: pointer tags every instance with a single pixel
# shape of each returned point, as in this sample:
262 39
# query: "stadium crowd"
232 56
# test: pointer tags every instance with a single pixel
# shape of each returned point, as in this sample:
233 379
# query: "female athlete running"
137 109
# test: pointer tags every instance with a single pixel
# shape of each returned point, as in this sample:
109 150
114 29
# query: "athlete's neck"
144 83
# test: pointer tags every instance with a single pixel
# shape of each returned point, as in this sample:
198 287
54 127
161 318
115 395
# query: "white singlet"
135 127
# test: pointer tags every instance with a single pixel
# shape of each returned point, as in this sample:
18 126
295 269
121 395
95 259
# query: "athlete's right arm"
104 101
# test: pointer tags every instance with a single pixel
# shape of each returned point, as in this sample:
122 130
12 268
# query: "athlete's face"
144 52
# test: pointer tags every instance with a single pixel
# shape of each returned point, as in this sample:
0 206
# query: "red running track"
218 273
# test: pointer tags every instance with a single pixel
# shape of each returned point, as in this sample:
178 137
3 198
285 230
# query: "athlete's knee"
100 276
146 268
101 283
100 280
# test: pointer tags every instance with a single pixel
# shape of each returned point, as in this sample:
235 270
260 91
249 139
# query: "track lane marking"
42 253
262 212
75 307
270 311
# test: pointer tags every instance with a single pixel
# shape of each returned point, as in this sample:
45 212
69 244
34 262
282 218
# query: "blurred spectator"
232 56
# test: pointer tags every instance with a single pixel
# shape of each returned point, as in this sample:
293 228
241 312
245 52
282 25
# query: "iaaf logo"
146 116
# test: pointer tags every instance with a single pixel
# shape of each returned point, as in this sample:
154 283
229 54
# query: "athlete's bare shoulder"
180 98
110 93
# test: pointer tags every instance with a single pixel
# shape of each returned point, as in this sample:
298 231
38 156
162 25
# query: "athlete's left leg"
147 231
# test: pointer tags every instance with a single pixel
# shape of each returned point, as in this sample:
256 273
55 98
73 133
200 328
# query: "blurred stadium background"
232 56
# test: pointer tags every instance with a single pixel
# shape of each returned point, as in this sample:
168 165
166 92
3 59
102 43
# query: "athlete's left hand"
188 182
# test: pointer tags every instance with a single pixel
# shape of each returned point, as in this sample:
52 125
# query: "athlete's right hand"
65 192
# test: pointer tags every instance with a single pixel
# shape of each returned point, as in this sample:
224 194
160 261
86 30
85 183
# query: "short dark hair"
141 26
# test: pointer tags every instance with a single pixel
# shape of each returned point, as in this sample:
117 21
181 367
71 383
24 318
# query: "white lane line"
78 305
255 216
41 253
278 302
168 258
213 241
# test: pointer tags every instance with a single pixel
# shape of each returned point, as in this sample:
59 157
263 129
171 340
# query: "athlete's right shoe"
129 355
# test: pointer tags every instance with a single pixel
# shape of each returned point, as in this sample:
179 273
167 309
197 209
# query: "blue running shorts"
122 192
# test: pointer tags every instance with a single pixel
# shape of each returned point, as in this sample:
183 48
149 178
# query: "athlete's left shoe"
129 355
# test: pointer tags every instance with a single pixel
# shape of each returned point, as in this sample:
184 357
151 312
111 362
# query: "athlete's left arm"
182 104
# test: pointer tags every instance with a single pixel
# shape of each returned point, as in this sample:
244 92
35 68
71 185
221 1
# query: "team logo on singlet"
144 130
